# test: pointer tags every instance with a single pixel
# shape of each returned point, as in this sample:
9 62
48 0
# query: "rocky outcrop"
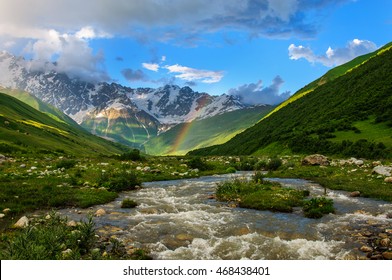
316 159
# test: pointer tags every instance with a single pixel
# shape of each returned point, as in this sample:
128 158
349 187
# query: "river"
179 220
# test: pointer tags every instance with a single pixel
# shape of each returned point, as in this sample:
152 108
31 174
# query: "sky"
260 50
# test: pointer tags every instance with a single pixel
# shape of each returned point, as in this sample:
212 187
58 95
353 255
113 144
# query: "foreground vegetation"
54 238
49 181
261 194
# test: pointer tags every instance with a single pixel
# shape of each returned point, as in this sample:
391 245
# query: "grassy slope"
352 99
330 76
207 132
24 128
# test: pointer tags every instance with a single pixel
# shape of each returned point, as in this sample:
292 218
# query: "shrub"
258 177
119 181
198 163
274 164
128 203
131 155
231 170
65 163
315 208
261 165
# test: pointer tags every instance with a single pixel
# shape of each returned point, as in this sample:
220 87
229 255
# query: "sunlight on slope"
44 126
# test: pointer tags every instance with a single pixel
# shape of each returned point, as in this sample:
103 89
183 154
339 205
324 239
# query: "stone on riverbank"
383 170
315 159
22 222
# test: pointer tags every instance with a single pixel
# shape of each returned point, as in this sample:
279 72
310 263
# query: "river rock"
315 159
149 211
382 170
388 180
2 215
22 222
355 194
366 249
387 255
100 212
184 237
385 242
242 231
6 210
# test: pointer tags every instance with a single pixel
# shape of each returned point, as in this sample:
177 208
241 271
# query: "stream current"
179 220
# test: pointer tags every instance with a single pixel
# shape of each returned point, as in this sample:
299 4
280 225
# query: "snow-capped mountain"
111 110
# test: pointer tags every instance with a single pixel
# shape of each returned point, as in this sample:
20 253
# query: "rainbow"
187 126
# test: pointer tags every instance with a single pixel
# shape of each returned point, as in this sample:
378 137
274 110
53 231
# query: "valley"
208 177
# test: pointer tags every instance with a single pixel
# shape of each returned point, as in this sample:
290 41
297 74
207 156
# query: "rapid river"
179 220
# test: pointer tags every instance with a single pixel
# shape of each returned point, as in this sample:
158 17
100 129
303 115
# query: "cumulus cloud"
255 93
333 57
191 74
70 52
134 75
151 66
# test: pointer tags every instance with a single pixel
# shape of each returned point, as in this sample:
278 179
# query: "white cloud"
255 93
151 66
71 52
333 57
192 74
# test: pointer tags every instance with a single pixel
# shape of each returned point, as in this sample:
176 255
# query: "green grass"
380 132
341 178
259 195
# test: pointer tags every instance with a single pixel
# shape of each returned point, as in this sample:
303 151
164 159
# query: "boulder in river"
316 159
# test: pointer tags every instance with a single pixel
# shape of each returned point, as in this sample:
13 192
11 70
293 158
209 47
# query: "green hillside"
197 134
26 130
37 104
349 115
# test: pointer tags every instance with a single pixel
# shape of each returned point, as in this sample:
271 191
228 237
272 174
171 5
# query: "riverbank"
30 184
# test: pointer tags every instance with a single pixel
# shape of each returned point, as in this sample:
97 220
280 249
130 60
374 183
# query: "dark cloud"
171 20
255 93
134 75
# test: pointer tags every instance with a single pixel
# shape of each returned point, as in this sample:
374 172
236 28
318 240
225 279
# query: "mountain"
346 112
126 115
206 132
27 130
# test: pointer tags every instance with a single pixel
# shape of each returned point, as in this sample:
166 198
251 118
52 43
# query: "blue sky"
262 50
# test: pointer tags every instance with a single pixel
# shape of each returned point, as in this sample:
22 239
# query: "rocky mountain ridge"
111 110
